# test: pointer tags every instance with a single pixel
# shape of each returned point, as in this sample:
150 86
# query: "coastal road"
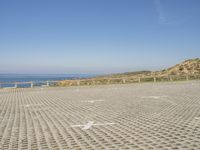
133 116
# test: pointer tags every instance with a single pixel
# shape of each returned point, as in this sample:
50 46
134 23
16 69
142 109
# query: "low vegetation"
189 69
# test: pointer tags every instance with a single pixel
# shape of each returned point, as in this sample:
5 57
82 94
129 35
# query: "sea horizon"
9 77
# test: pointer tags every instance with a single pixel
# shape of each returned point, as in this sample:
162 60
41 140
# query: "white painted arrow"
159 97
92 101
90 124
154 97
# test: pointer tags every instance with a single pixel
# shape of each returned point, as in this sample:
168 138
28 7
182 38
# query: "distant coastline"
41 77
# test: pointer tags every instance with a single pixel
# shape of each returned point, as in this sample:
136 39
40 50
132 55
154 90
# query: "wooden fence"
126 80
28 84
98 81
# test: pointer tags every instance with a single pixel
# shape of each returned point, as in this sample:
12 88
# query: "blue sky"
97 36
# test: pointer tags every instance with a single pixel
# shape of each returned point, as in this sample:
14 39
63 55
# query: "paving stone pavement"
161 116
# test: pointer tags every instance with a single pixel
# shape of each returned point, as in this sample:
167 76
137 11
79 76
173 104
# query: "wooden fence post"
154 79
93 82
78 82
15 85
123 81
31 84
48 83
108 82
139 80
187 77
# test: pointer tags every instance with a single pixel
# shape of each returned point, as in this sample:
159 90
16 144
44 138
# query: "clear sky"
97 36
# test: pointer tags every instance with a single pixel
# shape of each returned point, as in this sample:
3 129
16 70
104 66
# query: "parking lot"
129 116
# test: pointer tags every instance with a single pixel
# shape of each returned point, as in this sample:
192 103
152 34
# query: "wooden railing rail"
110 80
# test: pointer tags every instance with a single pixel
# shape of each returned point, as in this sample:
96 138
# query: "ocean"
8 80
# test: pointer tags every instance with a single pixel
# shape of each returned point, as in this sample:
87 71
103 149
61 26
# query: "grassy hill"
189 67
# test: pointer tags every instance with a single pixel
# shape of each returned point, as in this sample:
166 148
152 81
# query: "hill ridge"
187 67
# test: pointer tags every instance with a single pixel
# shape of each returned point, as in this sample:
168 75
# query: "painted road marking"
158 97
92 101
90 124
153 97
33 105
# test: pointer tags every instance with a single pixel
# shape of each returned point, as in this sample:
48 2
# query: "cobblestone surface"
139 116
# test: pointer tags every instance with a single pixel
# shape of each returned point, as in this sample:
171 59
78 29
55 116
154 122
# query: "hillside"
189 67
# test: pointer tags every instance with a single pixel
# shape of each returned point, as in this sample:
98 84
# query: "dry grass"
189 69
